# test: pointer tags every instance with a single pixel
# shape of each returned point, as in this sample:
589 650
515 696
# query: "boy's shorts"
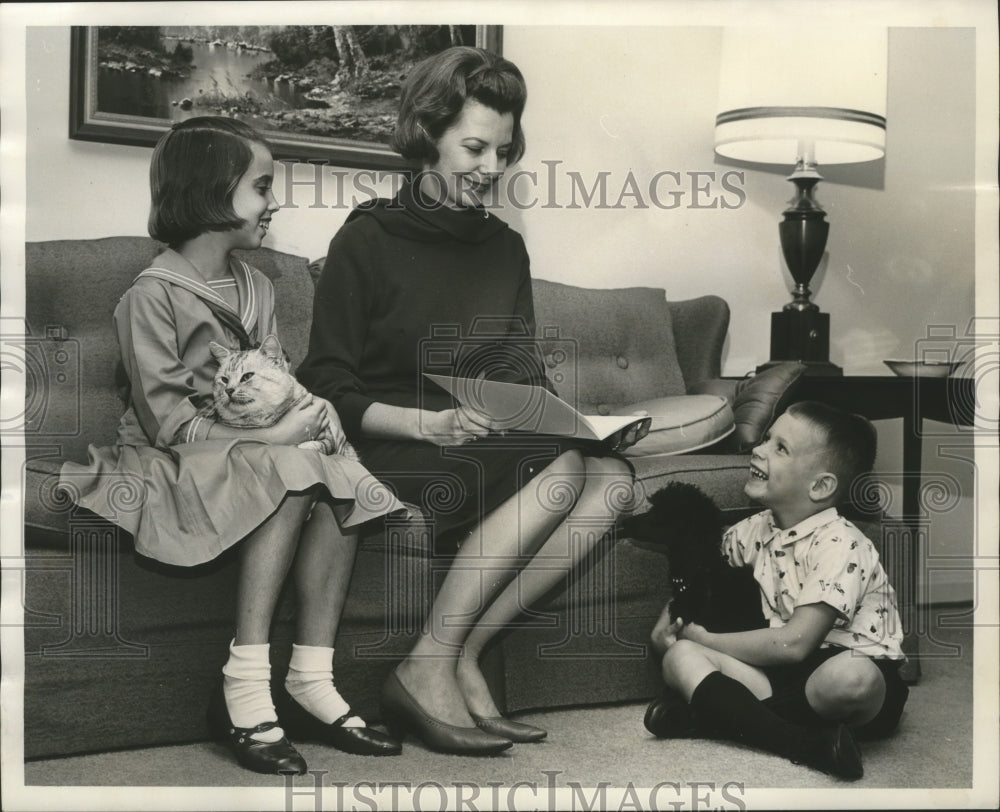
788 697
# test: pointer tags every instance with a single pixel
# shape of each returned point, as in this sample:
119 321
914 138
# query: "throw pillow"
759 399
681 423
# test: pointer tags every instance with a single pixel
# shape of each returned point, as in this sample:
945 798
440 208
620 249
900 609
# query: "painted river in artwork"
219 73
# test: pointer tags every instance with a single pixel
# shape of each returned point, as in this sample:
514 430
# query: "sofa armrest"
700 327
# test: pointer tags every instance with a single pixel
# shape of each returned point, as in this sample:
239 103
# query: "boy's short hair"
193 173
850 441
437 89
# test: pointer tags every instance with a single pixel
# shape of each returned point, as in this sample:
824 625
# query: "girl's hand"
453 427
337 436
306 420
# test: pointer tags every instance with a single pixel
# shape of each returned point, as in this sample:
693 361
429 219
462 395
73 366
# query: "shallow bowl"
923 369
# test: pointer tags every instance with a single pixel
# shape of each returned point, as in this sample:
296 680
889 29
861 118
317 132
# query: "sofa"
121 651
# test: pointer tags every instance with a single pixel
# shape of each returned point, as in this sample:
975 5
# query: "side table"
947 400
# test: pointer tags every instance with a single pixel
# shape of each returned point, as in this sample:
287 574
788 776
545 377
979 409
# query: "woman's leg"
485 563
606 493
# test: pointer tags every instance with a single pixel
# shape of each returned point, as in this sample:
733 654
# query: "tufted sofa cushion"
620 353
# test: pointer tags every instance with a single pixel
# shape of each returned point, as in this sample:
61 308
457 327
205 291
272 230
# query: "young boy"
827 666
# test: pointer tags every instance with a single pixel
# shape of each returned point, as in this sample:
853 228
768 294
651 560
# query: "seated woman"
397 271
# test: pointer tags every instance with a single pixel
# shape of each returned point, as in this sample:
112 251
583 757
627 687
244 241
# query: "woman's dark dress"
410 287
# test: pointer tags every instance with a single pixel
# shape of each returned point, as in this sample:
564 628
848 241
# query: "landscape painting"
317 92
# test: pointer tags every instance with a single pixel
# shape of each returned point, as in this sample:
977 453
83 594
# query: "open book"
534 409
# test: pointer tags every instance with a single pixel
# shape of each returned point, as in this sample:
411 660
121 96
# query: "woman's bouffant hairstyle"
195 169
435 92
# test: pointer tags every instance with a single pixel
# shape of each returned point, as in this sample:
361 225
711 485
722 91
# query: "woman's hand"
453 427
631 435
305 420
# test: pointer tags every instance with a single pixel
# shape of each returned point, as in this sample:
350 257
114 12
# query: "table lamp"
802 98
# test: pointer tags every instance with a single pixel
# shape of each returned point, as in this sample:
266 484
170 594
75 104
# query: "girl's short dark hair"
194 171
437 89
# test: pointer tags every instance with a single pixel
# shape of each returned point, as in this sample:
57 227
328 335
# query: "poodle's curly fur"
706 589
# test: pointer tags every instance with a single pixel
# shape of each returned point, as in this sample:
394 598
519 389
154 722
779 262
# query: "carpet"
594 758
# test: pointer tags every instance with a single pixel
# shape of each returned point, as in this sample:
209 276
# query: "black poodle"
706 589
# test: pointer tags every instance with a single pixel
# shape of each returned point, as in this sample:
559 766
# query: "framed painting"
322 94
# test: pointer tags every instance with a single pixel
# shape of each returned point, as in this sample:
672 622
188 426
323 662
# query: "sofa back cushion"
71 353
607 348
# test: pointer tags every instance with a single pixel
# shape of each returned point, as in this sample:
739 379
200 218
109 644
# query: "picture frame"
120 102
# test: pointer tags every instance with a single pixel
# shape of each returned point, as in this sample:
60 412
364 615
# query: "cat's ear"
271 348
219 353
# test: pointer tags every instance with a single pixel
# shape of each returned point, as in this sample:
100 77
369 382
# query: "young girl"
205 486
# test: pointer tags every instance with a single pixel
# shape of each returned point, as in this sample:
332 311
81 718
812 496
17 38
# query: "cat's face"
252 387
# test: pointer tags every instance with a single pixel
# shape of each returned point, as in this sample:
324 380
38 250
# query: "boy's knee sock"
732 709
247 688
728 706
310 683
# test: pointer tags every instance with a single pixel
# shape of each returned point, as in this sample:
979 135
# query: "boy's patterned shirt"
822 559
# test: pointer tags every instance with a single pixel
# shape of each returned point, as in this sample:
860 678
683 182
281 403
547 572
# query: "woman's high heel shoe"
515 731
273 758
404 714
361 741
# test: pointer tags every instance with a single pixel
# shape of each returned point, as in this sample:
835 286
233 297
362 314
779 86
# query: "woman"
431 282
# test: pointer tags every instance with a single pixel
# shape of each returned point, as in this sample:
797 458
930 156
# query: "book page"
522 407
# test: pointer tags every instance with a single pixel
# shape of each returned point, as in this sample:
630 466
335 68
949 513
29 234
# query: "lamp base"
802 335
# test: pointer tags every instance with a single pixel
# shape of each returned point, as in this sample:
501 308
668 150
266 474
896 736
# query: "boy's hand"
665 632
694 632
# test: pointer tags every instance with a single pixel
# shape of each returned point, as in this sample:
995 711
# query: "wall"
633 102
645 106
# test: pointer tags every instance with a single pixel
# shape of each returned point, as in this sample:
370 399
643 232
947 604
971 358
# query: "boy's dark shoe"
835 752
670 717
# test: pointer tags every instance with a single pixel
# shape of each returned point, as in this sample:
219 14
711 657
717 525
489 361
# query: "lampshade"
785 90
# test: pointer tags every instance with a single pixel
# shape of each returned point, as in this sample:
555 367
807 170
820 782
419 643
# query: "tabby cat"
254 388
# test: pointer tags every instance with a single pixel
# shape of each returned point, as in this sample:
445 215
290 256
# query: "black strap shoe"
274 758
360 741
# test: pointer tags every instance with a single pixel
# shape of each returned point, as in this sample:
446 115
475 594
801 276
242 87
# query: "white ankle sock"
310 683
247 687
